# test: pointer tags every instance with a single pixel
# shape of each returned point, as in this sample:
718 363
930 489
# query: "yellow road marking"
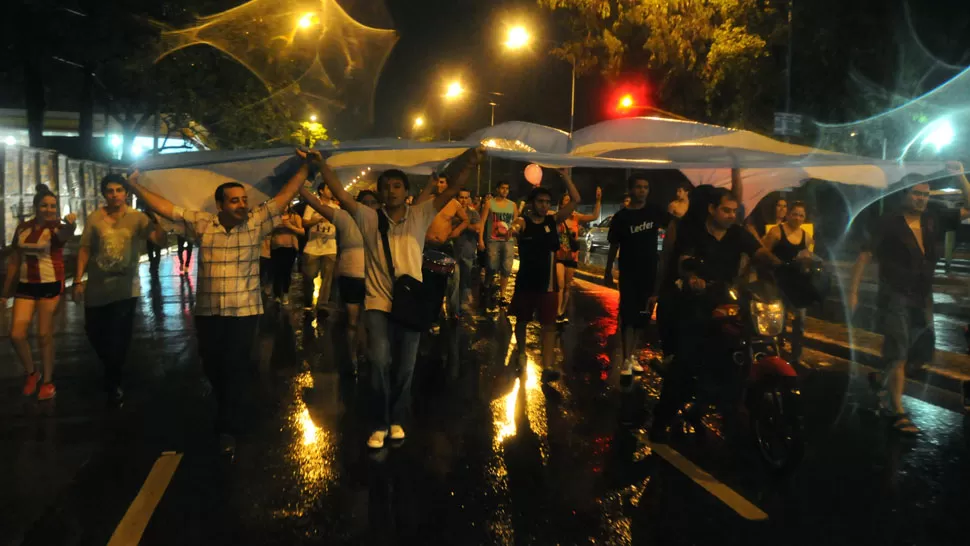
136 519
724 493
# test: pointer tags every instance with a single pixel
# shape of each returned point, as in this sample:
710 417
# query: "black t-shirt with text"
635 231
721 259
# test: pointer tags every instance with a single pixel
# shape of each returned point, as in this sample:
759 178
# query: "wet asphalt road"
490 458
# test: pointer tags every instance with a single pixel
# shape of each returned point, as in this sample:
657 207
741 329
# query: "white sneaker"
376 440
397 432
627 368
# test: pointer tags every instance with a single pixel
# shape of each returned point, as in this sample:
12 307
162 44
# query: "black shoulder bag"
408 306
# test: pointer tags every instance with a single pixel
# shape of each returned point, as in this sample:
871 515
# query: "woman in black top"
788 241
536 290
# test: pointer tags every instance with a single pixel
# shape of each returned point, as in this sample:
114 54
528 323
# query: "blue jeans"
392 353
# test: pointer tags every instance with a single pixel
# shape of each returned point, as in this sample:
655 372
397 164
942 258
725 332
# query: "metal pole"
572 101
791 7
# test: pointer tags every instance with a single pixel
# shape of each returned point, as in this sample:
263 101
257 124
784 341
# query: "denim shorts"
907 332
500 254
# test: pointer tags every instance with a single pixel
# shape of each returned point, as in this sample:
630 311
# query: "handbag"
408 306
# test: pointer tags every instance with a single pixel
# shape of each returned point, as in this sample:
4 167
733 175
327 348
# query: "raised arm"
737 187
596 209
471 158
565 212
296 181
315 204
956 169
330 179
163 207
427 191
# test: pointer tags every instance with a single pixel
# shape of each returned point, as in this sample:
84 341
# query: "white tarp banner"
704 153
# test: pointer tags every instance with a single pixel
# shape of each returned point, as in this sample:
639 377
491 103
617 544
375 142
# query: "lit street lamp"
517 38
418 122
454 90
307 20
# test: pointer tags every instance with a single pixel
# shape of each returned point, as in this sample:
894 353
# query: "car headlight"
768 317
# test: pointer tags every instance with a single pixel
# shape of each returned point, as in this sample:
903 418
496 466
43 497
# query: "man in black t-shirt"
717 244
634 230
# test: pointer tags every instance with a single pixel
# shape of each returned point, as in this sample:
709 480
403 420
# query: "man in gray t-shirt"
111 245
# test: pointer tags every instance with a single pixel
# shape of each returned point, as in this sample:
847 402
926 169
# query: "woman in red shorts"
37 267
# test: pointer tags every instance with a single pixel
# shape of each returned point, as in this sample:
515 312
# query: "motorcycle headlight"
768 317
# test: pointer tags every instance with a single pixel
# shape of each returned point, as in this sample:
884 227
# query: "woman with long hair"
285 247
37 266
790 242
567 257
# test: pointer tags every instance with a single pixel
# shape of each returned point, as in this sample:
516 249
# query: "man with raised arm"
393 347
228 302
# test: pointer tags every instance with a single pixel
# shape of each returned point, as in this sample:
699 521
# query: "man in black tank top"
536 292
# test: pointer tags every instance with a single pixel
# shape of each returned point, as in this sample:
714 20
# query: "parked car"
596 236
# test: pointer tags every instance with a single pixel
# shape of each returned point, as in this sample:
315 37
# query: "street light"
313 117
626 102
518 37
454 90
418 122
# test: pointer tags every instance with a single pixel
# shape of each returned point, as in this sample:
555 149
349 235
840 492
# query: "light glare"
518 37
454 90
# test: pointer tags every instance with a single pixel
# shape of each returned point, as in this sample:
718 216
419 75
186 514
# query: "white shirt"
351 260
228 262
406 240
321 238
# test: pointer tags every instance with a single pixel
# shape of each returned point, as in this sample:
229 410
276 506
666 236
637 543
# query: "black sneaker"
549 376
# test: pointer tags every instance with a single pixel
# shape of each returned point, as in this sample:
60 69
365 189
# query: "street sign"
788 124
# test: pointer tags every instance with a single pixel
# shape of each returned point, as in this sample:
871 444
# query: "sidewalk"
948 371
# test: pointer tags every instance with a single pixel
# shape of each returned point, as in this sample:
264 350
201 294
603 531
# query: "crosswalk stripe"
132 526
725 494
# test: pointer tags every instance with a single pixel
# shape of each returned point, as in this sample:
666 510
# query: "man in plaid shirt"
228 302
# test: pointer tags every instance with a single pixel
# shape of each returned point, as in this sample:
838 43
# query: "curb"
838 350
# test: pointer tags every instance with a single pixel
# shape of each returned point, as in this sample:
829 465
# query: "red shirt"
41 251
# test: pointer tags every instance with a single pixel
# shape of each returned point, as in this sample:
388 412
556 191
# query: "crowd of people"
383 253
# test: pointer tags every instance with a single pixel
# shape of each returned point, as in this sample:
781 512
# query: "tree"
705 59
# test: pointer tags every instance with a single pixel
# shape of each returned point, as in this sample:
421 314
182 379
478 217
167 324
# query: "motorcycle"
744 369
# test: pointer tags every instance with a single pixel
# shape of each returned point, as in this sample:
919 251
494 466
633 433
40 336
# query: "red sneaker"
30 386
47 391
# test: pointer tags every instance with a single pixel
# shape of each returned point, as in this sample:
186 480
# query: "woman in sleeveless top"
36 266
285 246
567 257
789 241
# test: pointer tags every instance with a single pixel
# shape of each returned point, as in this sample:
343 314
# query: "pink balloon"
533 173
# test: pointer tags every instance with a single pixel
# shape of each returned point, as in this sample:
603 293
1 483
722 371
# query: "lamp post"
518 37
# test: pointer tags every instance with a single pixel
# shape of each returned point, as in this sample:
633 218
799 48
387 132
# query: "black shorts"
39 290
634 293
351 289
573 264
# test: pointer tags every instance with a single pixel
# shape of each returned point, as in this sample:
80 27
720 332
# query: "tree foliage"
706 59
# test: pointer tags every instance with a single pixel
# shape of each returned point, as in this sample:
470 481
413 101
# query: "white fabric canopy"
704 153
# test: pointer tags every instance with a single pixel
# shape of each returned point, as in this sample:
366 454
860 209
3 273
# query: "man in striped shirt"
228 302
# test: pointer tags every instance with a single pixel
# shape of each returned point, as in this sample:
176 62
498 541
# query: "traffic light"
625 103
